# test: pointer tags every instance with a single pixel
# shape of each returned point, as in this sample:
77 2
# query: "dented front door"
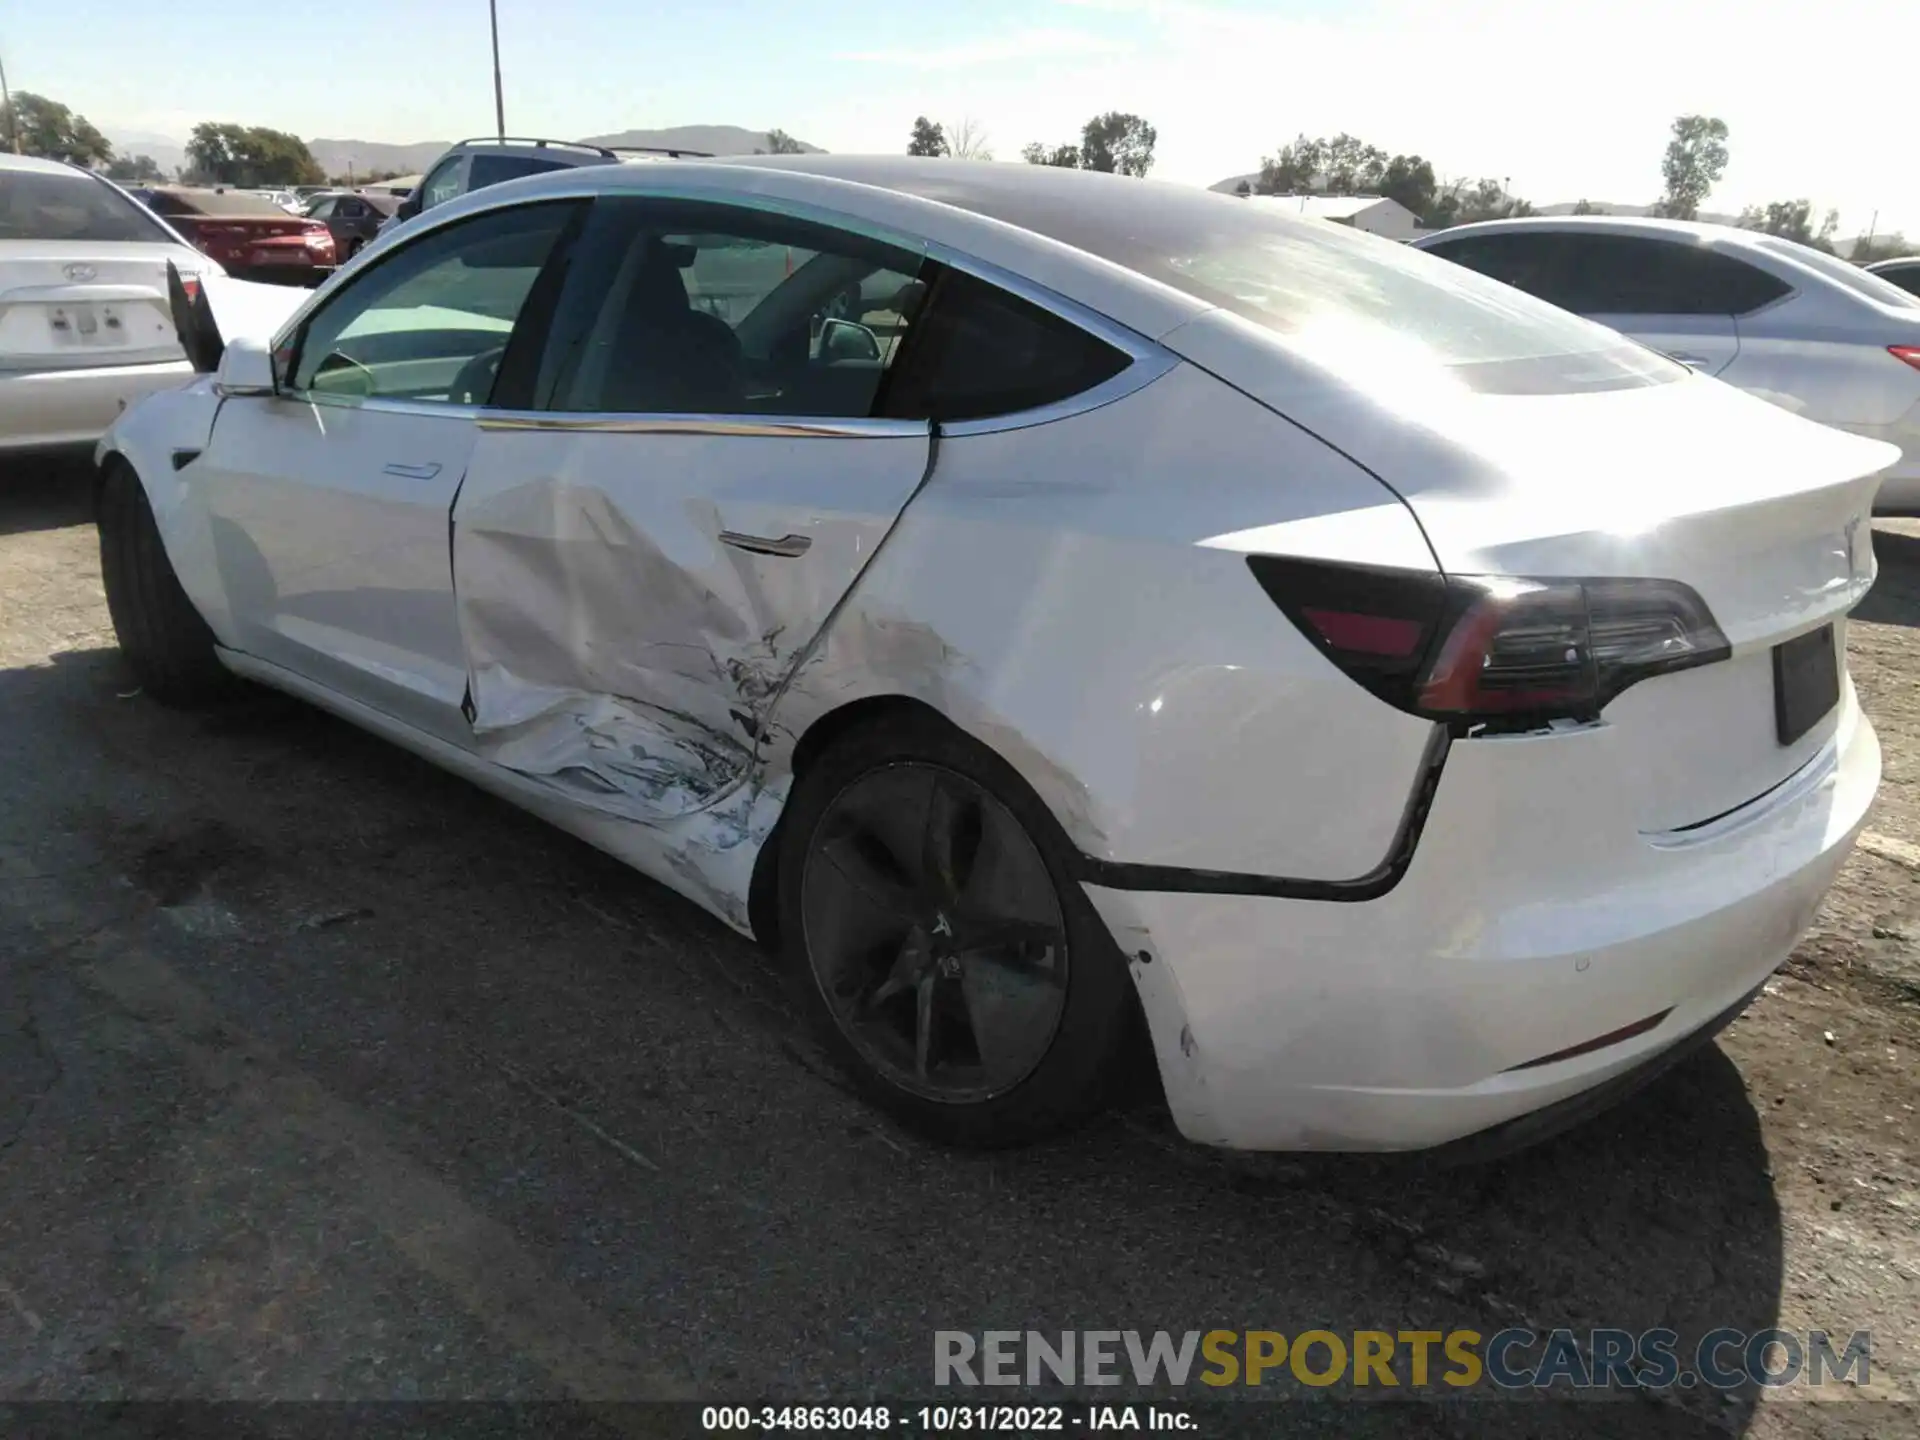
633 594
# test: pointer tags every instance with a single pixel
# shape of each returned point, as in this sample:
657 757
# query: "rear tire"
965 984
166 644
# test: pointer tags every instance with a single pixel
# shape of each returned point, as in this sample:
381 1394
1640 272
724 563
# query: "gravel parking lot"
323 1075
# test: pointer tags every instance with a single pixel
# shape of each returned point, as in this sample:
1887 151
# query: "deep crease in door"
617 650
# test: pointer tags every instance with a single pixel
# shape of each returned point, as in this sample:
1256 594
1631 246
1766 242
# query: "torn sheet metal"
604 751
618 650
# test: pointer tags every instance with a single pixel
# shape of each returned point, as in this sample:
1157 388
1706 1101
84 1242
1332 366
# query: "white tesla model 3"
1032 599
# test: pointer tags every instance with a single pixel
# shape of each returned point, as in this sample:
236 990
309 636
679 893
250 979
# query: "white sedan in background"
84 325
1426 709
1781 320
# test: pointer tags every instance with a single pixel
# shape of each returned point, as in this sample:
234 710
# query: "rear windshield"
1863 283
233 203
38 206
1351 301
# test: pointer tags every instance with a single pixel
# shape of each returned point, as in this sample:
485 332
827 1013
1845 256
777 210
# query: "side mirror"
245 369
842 340
409 207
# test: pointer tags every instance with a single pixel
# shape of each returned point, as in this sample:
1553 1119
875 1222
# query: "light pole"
6 101
499 104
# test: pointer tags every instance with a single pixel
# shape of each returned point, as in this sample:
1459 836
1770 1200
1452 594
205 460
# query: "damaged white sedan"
1034 600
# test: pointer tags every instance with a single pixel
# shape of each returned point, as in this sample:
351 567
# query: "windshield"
1863 283
39 206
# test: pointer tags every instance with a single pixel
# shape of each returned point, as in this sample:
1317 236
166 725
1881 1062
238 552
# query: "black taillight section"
1507 652
1376 624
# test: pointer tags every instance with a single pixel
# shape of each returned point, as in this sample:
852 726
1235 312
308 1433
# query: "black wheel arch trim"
1121 875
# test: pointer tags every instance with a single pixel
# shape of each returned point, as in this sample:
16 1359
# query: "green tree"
50 130
134 169
1353 167
1463 205
1300 162
1345 164
1587 207
781 143
1066 157
1696 158
928 138
1118 143
1409 180
1792 219
250 156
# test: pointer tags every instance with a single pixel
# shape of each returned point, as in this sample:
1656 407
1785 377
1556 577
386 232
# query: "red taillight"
317 236
1908 353
1493 649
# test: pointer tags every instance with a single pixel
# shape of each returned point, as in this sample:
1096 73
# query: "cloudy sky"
1566 98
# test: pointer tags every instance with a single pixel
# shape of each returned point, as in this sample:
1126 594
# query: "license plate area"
1806 683
77 325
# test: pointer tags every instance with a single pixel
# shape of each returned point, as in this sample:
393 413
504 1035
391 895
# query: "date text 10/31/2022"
945 1419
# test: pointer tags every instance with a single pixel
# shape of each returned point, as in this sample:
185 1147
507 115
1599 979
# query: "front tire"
166 644
938 942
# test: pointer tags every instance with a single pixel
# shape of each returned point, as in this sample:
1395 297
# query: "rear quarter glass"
1349 301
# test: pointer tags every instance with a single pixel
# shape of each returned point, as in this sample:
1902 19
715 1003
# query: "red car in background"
253 238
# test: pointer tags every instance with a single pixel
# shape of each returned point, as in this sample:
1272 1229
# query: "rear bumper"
67 409
1520 930
307 275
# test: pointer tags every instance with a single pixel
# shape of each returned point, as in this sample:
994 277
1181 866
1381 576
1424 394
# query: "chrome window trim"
1137 376
1148 361
385 404
625 422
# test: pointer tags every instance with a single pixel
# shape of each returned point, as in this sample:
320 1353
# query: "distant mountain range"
364 157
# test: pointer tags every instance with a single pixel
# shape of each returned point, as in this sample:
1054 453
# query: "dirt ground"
323 1075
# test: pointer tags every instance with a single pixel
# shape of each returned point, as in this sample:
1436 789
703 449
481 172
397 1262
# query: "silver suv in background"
1793 325
475 164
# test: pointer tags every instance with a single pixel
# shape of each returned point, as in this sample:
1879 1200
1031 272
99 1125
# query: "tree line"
1118 142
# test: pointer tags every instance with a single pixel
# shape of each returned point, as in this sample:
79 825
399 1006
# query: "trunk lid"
245 241
1765 515
83 305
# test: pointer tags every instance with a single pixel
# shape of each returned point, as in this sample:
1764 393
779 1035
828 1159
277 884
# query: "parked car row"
1422 711
1803 329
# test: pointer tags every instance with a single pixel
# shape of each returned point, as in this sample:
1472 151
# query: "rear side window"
1906 277
485 170
1638 275
983 352
1867 285
36 206
1526 260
